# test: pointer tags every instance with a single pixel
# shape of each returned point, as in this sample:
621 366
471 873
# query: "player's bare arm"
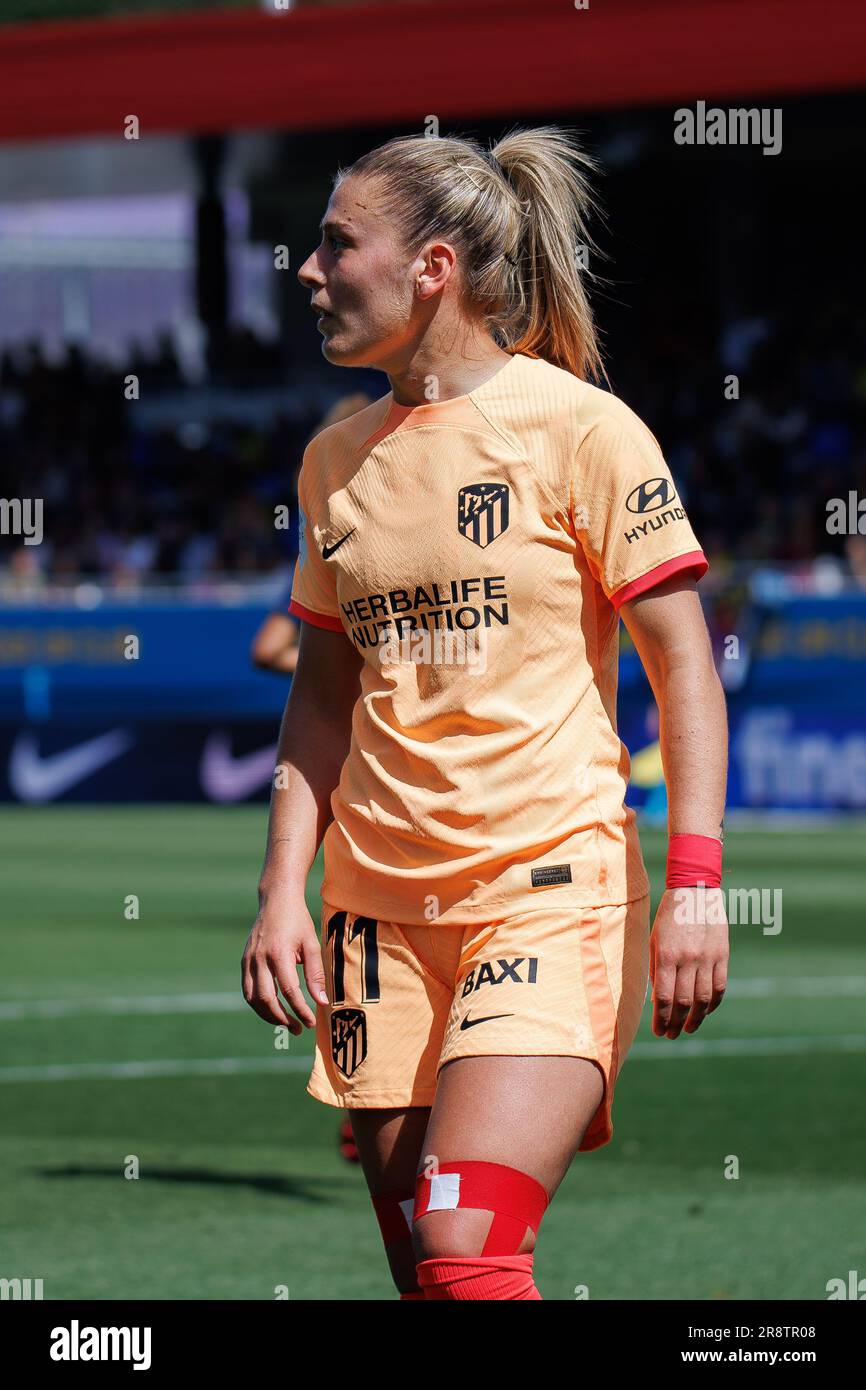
689 942
314 739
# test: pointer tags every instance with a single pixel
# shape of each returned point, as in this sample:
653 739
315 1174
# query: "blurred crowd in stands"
131 504
761 429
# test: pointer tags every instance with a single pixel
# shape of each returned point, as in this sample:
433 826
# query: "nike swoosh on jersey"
472 1022
33 777
328 550
227 778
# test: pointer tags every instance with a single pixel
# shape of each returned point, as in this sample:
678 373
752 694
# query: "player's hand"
688 959
282 938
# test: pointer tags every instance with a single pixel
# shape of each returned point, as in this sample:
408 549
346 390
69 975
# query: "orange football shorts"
404 1000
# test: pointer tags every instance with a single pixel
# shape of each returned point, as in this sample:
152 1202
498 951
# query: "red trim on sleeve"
695 560
325 620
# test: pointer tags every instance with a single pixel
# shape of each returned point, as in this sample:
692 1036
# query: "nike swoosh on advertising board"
227 778
34 777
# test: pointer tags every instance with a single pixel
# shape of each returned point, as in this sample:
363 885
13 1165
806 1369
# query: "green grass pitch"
241 1188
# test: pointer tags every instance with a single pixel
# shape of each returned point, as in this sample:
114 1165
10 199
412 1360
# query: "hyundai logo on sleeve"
651 495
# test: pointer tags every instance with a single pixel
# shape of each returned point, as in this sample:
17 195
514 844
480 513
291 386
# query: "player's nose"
309 274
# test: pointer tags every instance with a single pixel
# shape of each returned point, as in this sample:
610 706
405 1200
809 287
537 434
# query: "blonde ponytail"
549 177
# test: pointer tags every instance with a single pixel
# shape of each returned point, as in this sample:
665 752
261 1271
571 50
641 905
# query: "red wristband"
694 859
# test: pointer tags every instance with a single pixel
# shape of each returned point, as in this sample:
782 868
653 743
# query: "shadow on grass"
314 1191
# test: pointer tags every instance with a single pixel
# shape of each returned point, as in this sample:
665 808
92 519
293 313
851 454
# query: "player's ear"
437 264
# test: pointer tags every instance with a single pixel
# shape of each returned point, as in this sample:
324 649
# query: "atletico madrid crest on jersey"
482 512
348 1039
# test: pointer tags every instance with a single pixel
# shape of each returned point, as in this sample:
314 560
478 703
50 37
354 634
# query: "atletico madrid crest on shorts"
482 512
348 1039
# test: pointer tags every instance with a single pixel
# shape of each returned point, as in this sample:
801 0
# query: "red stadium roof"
332 67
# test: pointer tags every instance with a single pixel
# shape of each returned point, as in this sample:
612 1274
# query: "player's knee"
441 1234
474 1208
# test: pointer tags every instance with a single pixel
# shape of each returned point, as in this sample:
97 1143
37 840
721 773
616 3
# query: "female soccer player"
469 543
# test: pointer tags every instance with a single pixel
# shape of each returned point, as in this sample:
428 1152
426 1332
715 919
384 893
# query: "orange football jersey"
475 551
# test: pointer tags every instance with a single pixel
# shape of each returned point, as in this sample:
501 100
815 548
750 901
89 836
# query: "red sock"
412 1297
468 1277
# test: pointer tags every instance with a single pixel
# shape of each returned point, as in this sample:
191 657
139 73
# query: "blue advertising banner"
131 762
143 662
796 689
161 703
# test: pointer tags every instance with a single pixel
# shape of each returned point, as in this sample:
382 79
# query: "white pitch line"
683 1047
137 1071
779 986
660 1050
132 1004
782 987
